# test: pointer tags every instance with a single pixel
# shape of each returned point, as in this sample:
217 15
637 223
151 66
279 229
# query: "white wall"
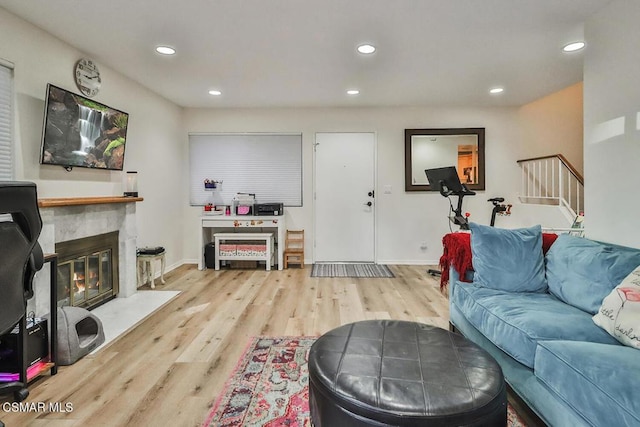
157 148
404 220
155 136
554 125
612 123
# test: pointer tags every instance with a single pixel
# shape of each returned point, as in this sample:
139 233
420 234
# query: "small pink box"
243 210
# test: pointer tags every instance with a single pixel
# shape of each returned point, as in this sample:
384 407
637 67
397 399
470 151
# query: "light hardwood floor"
169 369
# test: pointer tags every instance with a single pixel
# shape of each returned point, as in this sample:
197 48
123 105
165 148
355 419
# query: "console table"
211 224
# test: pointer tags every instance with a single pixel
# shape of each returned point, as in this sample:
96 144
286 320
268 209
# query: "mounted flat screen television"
79 132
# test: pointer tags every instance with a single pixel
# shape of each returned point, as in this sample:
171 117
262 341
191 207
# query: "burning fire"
94 281
78 281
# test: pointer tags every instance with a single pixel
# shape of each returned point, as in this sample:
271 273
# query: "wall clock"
87 77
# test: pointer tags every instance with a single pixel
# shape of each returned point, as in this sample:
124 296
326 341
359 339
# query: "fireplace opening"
88 270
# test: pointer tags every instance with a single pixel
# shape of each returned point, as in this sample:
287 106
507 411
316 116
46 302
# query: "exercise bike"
498 209
449 185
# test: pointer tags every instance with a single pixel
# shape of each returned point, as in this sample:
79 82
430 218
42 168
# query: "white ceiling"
302 53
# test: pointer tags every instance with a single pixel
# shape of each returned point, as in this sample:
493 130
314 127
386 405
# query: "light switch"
387 189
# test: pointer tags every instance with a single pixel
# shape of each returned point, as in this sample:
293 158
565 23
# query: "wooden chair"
294 248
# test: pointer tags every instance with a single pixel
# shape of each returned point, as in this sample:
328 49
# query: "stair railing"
552 180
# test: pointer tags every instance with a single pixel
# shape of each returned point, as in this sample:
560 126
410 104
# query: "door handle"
368 204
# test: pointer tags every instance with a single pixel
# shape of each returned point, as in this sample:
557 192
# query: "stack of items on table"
244 203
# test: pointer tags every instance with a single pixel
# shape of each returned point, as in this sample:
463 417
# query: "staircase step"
552 201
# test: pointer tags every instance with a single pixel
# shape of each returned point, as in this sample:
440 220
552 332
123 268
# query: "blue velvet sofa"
555 359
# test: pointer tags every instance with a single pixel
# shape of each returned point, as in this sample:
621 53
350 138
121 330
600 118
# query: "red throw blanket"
457 253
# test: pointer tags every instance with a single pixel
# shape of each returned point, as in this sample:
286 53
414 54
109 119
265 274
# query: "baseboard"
195 261
168 268
408 262
310 262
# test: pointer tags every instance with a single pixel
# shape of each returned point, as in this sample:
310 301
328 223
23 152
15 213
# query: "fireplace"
88 270
67 219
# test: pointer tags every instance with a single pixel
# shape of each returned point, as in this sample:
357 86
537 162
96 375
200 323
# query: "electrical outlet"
423 246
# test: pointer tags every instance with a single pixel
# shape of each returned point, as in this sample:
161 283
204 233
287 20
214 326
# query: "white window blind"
267 165
6 122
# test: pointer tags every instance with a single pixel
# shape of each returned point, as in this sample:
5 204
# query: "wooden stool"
146 271
294 248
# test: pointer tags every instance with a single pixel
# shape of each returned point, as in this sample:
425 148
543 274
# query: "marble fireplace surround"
76 218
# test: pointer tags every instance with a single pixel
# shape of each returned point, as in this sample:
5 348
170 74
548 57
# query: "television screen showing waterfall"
79 132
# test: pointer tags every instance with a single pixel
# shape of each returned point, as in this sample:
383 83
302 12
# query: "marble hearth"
74 220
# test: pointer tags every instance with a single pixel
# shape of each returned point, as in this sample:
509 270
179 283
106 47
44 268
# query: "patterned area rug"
351 270
270 387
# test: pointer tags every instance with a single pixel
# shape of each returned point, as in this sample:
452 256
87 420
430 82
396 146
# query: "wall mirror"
435 148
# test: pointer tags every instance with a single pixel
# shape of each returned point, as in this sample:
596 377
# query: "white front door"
344 197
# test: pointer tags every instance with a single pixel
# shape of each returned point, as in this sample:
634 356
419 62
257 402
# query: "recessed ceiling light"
366 49
165 50
572 47
496 90
215 92
353 92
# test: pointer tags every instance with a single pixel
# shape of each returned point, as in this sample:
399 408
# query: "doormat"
351 270
270 387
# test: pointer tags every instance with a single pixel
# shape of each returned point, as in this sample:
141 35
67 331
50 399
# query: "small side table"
146 271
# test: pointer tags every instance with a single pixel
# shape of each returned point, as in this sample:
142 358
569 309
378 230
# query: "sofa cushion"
599 381
581 272
619 313
509 260
516 321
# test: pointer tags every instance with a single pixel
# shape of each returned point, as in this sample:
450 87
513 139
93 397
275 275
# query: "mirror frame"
409 133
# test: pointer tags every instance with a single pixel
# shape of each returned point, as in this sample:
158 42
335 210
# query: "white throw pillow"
619 313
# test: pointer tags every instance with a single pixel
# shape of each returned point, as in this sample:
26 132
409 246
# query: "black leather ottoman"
396 373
